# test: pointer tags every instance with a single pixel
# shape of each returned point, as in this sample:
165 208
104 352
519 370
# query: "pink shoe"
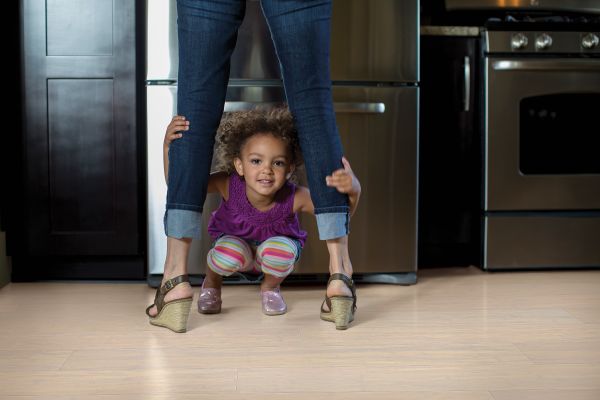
209 301
272 302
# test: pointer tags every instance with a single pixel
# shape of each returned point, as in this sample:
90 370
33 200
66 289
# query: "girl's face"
265 166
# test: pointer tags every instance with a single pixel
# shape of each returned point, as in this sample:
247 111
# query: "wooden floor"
458 334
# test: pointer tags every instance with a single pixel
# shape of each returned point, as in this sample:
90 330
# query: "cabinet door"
450 155
79 127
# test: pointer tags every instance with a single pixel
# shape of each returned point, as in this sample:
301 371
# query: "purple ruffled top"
236 216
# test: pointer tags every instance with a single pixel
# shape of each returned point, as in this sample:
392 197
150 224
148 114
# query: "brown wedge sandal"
341 308
172 314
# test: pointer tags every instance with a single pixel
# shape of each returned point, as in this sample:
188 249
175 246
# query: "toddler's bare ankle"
210 283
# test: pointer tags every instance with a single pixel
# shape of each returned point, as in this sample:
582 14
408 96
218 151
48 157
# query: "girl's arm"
343 180
302 201
218 182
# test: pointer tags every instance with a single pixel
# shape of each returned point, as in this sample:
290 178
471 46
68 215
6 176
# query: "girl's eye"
279 163
255 161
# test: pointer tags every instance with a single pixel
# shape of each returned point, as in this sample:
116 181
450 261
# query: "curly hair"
237 127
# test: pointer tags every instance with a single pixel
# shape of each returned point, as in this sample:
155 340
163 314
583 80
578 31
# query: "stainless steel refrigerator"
375 76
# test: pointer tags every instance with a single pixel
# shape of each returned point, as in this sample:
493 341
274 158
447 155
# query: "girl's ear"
289 174
239 167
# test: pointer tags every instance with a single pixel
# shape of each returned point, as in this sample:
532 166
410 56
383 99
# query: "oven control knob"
519 41
543 42
590 41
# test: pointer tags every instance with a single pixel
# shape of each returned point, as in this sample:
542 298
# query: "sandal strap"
171 283
328 302
161 292
349 282
341 277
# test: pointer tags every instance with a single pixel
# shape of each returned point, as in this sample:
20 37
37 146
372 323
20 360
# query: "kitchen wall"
4 262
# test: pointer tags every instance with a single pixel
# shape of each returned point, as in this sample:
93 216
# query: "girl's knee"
277 256
228 255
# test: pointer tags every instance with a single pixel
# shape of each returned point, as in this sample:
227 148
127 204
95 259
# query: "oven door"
542 134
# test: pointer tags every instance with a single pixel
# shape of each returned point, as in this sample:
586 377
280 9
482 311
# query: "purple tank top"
236 216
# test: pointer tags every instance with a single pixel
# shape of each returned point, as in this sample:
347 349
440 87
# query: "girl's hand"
178 124
344 179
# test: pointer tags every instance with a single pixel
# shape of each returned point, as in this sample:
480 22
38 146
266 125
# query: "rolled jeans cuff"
333 225
182 223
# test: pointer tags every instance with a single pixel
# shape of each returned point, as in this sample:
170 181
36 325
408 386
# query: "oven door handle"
546 65
345 108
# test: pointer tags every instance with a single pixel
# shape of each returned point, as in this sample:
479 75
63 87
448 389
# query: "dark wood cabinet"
450 152
81 195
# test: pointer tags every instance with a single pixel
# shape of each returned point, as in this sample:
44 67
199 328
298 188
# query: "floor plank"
460 333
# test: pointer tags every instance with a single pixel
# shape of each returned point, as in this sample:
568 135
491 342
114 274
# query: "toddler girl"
256 227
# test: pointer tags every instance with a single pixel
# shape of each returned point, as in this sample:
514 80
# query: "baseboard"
26 269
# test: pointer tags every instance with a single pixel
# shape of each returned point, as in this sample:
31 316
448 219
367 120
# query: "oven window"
560 134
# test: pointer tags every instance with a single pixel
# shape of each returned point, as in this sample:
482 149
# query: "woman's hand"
174 129
344 179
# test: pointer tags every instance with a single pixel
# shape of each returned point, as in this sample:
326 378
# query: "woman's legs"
300 31
339 262
207 32
175 265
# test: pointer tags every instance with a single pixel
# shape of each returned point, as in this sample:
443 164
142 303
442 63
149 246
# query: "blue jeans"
207 35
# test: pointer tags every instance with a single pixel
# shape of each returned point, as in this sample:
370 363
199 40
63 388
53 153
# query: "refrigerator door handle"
346 108
232 106
359 108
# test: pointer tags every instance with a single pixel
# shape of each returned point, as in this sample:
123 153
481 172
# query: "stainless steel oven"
542 141
543 134
589 6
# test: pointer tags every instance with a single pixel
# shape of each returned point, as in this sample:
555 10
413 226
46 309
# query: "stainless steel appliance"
590 6
374 68
542 170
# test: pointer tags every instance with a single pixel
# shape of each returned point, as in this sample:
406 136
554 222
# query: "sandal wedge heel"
173 314
341 308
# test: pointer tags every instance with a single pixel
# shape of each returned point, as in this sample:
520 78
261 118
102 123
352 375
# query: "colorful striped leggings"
275 256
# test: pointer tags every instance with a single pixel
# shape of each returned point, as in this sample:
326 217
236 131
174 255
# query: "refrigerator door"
378 127
253 58
375 40
161 40
161 106
382 45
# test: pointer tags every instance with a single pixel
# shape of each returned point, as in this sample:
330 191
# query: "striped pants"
275 256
